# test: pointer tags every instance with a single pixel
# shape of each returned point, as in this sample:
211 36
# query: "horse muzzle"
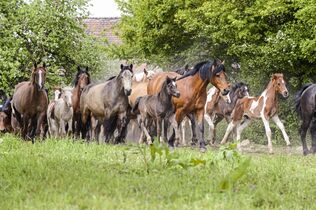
176 94
225 92
285 94
128 92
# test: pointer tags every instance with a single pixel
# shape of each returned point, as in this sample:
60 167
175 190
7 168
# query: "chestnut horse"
192 88
81 80
264 106
29 103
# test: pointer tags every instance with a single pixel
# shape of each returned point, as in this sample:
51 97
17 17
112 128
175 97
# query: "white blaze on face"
40 78
127 80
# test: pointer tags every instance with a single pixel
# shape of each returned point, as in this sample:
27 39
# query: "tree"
50 31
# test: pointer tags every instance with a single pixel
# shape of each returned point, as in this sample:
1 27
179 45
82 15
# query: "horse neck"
198 84
270 94
34 91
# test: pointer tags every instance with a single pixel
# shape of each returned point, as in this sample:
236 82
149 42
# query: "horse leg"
200 120
313 134
33 126
211 128
183 131
176 120
70 131
278 122
159 121
306 118
229 129
143 127
268 133
193 129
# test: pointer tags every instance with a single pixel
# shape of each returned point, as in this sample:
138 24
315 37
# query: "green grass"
66 175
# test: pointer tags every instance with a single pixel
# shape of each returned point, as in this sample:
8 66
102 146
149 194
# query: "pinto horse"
217 108
81 80
192 88
305 104
108 102
264 106
29 103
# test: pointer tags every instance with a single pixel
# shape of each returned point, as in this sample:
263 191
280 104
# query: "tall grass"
62 174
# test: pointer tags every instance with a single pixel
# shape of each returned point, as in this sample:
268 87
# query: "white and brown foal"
264 106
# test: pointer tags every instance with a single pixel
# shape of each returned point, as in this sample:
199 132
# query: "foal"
155 107
217 108
264 106
62 114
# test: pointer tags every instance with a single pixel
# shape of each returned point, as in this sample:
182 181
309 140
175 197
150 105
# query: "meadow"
62 174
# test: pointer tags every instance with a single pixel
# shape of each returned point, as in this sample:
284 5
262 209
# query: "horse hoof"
203 149
305 152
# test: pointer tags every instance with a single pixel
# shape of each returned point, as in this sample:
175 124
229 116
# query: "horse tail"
297 99
135 108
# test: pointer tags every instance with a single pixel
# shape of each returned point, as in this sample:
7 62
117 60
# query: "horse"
61 114
217 108
192 87
5 116
305 106
29 103
264 106
108 102
143 76
155 107
82 79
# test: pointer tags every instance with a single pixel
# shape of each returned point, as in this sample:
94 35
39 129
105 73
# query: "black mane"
238 85
204 69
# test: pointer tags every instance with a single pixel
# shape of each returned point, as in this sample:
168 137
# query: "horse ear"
145 71
186 67
78 68
87 69
223 62
44 65
122 67
174 78
131 66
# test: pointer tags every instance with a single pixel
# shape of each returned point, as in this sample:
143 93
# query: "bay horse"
29 103
154 108
82 79
264 106
217 108
305 105
192 87
108 102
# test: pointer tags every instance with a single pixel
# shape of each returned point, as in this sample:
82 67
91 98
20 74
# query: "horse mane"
112 77
203 68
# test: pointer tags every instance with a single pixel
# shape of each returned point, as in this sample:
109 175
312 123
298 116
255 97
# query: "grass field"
60 174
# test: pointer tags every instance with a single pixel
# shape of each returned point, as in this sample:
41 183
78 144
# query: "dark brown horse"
192 88
81 80
153 108
305 102
29 103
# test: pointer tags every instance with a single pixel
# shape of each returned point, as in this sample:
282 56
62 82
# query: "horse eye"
279 84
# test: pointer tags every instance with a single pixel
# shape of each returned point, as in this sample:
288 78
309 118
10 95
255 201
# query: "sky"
103 8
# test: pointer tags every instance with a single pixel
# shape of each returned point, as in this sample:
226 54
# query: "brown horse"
29 103
81 80
192 88
264 106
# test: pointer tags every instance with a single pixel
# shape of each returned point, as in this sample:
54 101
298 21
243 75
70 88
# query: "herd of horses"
159 103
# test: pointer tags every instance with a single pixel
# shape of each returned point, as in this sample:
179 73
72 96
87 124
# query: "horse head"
149 74
241 90
82 77
125 76
66 95
172 87
279 84
39 76
219 77
57 92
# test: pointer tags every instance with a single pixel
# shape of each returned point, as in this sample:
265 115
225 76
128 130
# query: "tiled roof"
103 27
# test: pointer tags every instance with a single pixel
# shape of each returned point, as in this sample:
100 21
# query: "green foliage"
47 31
